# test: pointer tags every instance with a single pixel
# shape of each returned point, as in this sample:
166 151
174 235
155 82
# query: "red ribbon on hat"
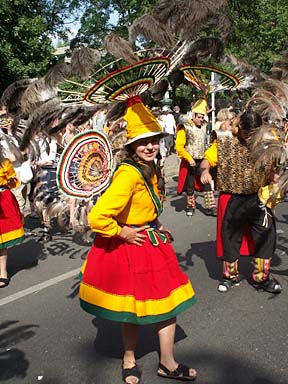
133 100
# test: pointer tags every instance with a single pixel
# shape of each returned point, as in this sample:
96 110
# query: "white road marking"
39 287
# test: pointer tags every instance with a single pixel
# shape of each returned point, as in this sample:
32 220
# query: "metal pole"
213 101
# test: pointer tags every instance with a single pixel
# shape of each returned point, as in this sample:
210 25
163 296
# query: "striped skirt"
127 283
11 222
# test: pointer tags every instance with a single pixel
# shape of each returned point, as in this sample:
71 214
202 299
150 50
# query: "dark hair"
250 120
147 170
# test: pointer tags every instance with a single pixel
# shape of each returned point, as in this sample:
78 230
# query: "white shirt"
170 123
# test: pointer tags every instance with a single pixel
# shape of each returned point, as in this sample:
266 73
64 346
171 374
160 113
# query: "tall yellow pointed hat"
200 106
141 123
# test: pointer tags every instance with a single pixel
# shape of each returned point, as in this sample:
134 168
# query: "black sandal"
180 373
5 282
134 371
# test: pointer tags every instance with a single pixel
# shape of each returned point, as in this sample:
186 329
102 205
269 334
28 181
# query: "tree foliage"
26 28
260 31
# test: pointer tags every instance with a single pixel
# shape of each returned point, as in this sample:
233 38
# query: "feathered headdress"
268 151
270 100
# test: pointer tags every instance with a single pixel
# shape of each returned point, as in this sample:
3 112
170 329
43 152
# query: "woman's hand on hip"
132 235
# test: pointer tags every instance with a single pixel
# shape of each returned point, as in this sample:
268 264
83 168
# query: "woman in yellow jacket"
131 274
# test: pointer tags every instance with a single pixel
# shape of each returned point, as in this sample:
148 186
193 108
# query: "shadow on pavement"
214 367
23 256
12 360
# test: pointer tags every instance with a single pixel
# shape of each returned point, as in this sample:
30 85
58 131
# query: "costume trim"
131 318
128 309
18 240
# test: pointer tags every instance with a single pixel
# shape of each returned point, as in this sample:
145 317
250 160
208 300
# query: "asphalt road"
240 337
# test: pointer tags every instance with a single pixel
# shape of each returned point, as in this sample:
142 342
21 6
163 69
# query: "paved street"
240 337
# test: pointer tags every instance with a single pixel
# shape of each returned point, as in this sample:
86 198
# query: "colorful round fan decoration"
200 77
85 166
128 81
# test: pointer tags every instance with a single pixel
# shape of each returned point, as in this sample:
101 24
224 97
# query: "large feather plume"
57 74
35 95
204 48
245 68
83 61
186 18
269 153
44 89
11 97
150 28
77 115
41 120
120 48
268 150
116 111
270 100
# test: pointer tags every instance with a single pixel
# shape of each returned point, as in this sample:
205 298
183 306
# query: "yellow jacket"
7 173
180 143
211 154
126 201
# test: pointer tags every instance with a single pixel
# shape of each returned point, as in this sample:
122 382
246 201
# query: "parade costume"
245 225
11 223
125 282
133 276
190 145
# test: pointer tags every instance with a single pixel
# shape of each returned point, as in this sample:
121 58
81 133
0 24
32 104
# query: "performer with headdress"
245 221
131 274
190 146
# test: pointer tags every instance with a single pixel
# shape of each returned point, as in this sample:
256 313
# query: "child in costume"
11 224
241 205
131 274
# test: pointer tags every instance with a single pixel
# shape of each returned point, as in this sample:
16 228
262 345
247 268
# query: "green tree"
26 30
96 21
260 31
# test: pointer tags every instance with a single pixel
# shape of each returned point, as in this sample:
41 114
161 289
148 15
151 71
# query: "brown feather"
267 148
151 29
41 120
57 74
12 148
83 61
270 99
11 97
158 90
116 111
35 95
204 48
77 115
120 48
186 18
245 68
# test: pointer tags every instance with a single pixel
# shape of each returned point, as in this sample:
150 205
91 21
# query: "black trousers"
243 210
190 179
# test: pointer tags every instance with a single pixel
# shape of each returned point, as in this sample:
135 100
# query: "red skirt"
247 246
11 222
128 283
